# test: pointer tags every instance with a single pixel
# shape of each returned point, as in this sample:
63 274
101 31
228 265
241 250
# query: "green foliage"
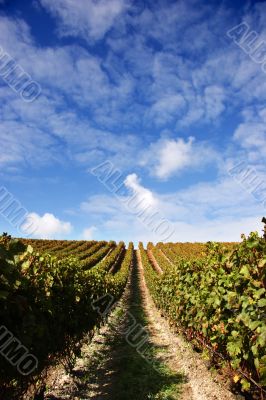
219 299
47 302
108 262
95 257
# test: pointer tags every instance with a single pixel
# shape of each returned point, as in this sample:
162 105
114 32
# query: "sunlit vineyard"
47 292
213 294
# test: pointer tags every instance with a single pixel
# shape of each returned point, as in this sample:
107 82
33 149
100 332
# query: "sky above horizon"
156 93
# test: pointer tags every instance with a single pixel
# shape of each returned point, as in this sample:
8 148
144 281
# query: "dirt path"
136 357
113 367
201 384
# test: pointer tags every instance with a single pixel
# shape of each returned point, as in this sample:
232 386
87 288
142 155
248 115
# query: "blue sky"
158 90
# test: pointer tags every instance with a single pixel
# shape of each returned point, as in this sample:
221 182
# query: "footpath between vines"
111 367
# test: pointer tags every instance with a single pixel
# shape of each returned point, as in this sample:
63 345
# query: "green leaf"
252 244
245 271
245 384
234 348
262 303
257 363
254 324
254 350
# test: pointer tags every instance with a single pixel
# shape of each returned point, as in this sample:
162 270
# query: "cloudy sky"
155 90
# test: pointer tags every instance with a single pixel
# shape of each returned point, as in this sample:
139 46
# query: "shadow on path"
116 370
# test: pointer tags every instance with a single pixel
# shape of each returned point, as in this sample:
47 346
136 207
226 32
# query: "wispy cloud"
201 212
251 133
134 83
144 196
169 156
86 18
88 233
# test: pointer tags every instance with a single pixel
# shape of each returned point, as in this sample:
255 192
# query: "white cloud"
116 89
166 109
179 91
48 125
222 198
174 155
122 217
88 233
46 226
24 144
220 211
228 229
86 18
167 157
144 197
251 134
101 204
214 99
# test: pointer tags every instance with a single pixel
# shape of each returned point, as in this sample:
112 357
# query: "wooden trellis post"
264 221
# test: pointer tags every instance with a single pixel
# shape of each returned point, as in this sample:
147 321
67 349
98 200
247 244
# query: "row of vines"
216 295
47 301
